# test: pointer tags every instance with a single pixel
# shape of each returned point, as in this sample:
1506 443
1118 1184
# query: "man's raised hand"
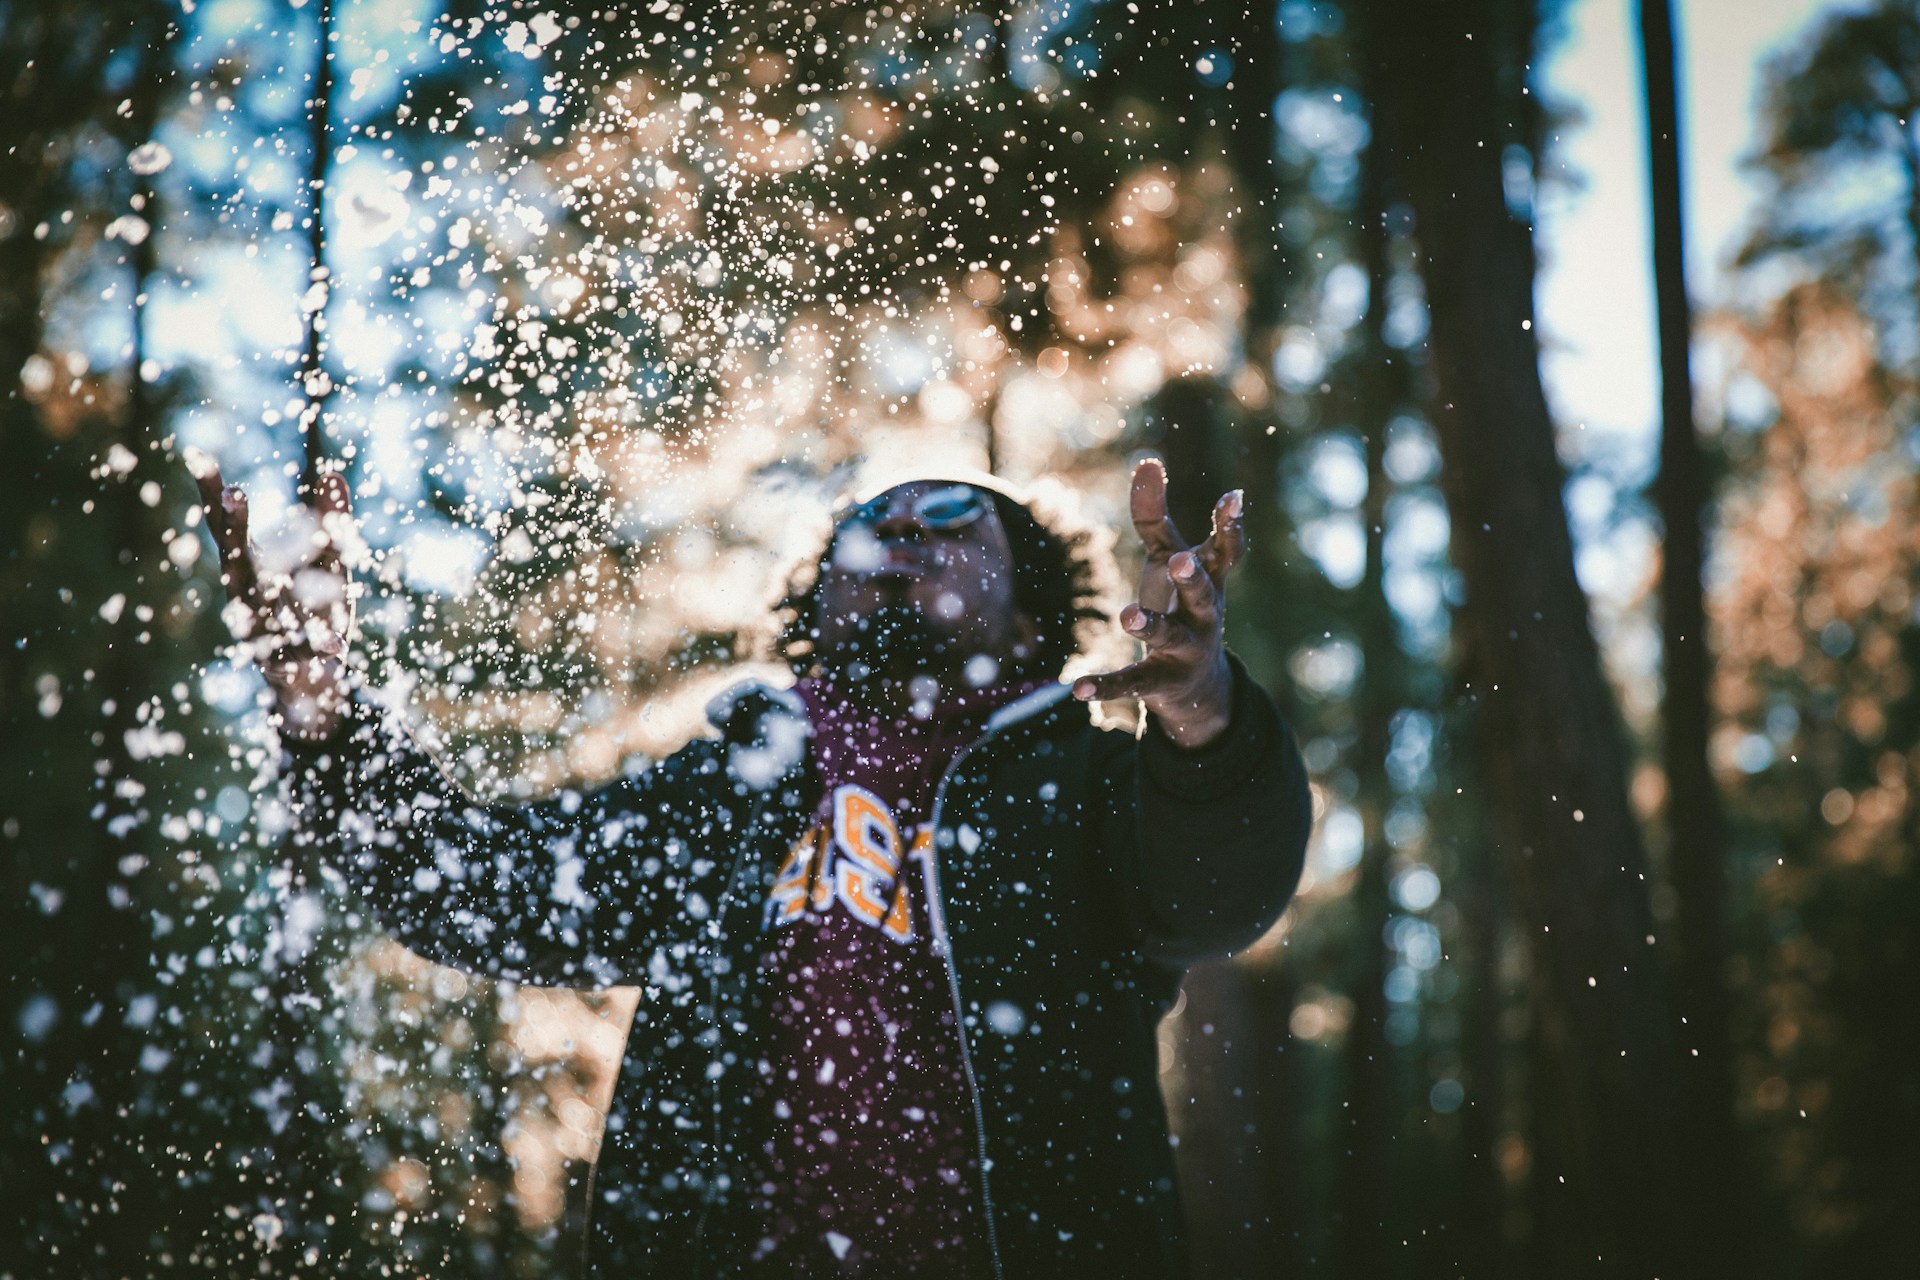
295 623
1183 679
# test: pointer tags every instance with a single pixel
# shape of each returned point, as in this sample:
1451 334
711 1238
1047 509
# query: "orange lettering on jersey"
863 892
789 896
899 922
864 830
854 859
822 896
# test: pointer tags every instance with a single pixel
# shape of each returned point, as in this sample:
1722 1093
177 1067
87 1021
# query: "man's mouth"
871 559
897 564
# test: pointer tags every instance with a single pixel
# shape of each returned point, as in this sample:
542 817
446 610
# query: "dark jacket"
1079 872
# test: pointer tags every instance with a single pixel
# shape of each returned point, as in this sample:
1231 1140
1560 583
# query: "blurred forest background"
1606 956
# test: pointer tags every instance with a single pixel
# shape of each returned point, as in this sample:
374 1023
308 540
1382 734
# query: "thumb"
339 545
332 497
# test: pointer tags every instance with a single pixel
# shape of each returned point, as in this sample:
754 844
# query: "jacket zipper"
1033 703
937 919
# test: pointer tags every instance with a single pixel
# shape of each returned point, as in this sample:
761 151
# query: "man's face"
920 580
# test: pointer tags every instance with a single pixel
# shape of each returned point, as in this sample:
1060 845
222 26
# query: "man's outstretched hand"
1183 679
294 623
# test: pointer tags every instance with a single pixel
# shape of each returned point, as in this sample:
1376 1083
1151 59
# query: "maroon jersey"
872 1167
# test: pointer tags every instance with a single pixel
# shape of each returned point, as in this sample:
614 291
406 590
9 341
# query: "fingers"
332 497
1180 635
1193 586
1161 539
294 626
1176 645
206 477
1228 541
333 507
1153 629
225 507
1111 686
1147 504
320 612
1184 679
236 556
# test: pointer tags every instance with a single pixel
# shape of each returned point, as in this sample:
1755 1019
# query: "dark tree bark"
1551 747
120 883
1227 1160
78 88
1696 855
305 1164
313 358
1366 1197
1274 990
1479 1193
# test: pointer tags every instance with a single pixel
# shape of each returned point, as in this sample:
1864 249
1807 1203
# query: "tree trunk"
1551 746
1366 1183
1697 852
313 359
1366 1148
1273 990
306 1166
1479 1195
1225 1159
73 88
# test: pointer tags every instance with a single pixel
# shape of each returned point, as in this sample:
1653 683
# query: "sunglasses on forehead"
941 510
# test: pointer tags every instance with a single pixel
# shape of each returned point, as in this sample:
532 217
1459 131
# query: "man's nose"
900 522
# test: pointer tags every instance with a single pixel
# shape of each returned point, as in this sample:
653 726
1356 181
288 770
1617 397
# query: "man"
904 932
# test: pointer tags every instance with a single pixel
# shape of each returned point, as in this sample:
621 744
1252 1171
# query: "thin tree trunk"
1697 853
1366 1189
313 361
306 1171
1548 735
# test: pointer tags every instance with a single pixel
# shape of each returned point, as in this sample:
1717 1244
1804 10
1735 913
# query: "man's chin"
890 643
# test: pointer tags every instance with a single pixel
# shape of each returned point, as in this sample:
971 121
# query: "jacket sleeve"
1209 843
580 889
